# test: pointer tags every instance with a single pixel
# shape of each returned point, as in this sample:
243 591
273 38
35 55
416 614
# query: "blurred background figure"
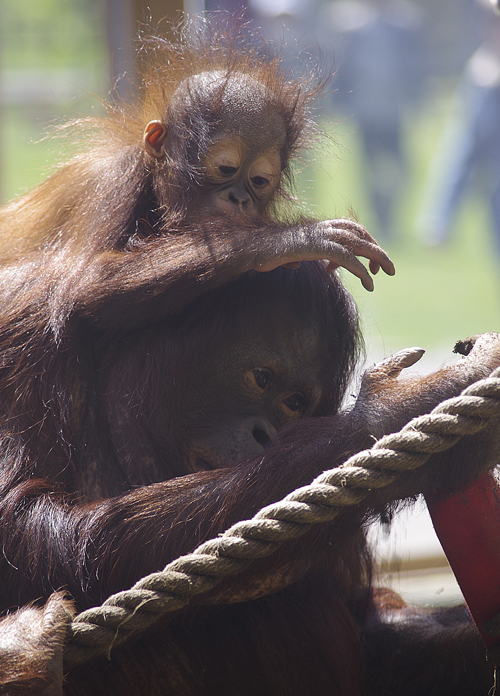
470 153
379 78
291 27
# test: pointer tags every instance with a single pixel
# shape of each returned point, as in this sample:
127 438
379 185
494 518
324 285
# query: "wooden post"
124 20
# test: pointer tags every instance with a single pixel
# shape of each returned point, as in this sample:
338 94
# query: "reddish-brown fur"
110 303
31 648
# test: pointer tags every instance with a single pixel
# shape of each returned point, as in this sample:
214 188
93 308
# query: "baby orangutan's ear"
154 137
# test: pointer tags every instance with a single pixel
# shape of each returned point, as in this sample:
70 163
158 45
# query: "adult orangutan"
155 387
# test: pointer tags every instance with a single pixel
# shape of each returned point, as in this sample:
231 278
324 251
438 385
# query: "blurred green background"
54 64
439 294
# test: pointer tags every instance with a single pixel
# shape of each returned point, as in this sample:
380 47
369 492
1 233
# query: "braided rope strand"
95 631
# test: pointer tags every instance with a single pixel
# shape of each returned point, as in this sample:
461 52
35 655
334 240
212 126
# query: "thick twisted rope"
96 630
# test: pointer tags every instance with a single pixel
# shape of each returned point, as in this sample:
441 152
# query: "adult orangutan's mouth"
198 463
201 464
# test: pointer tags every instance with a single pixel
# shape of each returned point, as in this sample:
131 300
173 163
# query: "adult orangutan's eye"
258 379
294 405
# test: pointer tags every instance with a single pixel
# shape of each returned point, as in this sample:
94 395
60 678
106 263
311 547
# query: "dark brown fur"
111 308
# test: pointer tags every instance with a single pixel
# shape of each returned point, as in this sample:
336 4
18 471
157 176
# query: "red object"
468 527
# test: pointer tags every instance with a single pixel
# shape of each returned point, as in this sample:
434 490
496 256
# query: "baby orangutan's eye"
226 170
260 181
